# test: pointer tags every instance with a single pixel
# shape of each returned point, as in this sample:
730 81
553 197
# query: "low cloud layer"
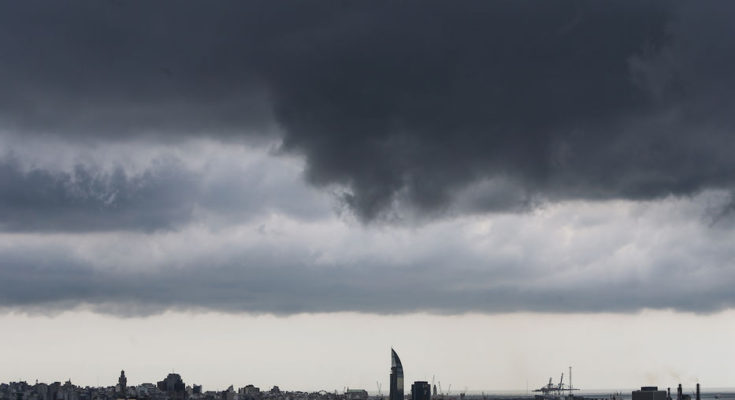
616 257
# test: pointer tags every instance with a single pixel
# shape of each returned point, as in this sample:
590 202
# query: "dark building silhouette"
228 394
396 377
356 394
122 381
173 386
249 392
649 393
421 390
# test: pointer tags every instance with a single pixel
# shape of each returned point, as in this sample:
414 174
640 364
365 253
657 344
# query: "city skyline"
174 385
283 191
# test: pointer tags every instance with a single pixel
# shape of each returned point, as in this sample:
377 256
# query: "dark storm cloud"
400 102
114 70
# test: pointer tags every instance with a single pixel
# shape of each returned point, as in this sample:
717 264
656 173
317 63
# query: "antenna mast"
570 381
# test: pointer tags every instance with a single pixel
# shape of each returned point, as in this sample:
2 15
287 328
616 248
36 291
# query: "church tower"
123 383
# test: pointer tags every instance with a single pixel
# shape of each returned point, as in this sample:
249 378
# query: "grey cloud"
594 258
404 104
266 284
166 195
419 107
87 199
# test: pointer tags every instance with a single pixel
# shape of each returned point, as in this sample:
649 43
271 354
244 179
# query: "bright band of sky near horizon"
333 351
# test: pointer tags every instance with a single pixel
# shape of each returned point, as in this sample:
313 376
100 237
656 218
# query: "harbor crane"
555 391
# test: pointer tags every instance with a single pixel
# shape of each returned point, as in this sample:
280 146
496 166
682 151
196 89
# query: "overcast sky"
444 167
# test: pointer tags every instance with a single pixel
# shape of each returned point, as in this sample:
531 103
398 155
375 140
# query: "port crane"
548 388
557 390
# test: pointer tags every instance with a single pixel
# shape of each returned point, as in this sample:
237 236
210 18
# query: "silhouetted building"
122 381
421 390
680 394
396 377
173 386
649 393
356 394
249 392
229 394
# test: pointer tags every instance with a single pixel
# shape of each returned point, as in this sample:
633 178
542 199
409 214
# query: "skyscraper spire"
396 376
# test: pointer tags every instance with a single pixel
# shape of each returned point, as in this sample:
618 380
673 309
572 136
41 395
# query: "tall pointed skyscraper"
396 377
